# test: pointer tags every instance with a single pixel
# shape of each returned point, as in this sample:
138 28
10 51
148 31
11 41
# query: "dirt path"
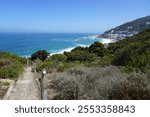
26 87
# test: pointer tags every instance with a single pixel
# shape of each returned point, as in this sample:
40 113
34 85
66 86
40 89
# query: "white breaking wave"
106 41
63 50
102 40
68 49
82 45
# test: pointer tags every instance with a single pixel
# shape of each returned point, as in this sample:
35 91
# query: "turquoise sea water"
24 44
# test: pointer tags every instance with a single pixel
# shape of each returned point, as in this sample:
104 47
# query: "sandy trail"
26 87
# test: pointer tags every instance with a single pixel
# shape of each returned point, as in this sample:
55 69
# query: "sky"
69 16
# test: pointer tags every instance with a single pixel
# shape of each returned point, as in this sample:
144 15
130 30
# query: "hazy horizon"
68 16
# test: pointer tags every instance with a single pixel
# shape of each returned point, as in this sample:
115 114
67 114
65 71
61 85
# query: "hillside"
128 29
120 71
132 52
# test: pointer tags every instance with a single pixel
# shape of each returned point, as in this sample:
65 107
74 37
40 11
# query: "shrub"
58 58
133 52
98 83
61 67
9 56
11 65
11 71
100 61
133 87
82 56
67 91
41 54
98 49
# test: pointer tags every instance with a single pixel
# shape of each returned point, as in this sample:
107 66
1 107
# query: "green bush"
98 49
82 56
61 67
58 58
7 55
100 61
132 53
41 54
11 66
11 71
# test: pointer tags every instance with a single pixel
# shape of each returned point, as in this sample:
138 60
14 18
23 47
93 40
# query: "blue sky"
68 15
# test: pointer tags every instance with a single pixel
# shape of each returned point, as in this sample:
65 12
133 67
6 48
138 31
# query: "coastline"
103 40
76 44
62 51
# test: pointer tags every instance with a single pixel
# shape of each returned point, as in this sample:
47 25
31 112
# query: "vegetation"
41 54
98 83
98 49
10 65
78 57
119 71
133 52
7 55
87 73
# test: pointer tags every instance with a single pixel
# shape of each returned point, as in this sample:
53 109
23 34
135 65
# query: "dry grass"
98 83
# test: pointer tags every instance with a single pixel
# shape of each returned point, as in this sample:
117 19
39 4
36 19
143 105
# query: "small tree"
41 54
98 49
59 58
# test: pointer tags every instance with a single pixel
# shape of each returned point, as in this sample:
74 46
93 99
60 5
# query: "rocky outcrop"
127 29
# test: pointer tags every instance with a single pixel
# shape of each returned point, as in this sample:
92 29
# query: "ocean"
25 44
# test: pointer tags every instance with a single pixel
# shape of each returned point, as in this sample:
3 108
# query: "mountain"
127 29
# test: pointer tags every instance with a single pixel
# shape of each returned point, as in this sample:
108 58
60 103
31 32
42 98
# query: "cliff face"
128 29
